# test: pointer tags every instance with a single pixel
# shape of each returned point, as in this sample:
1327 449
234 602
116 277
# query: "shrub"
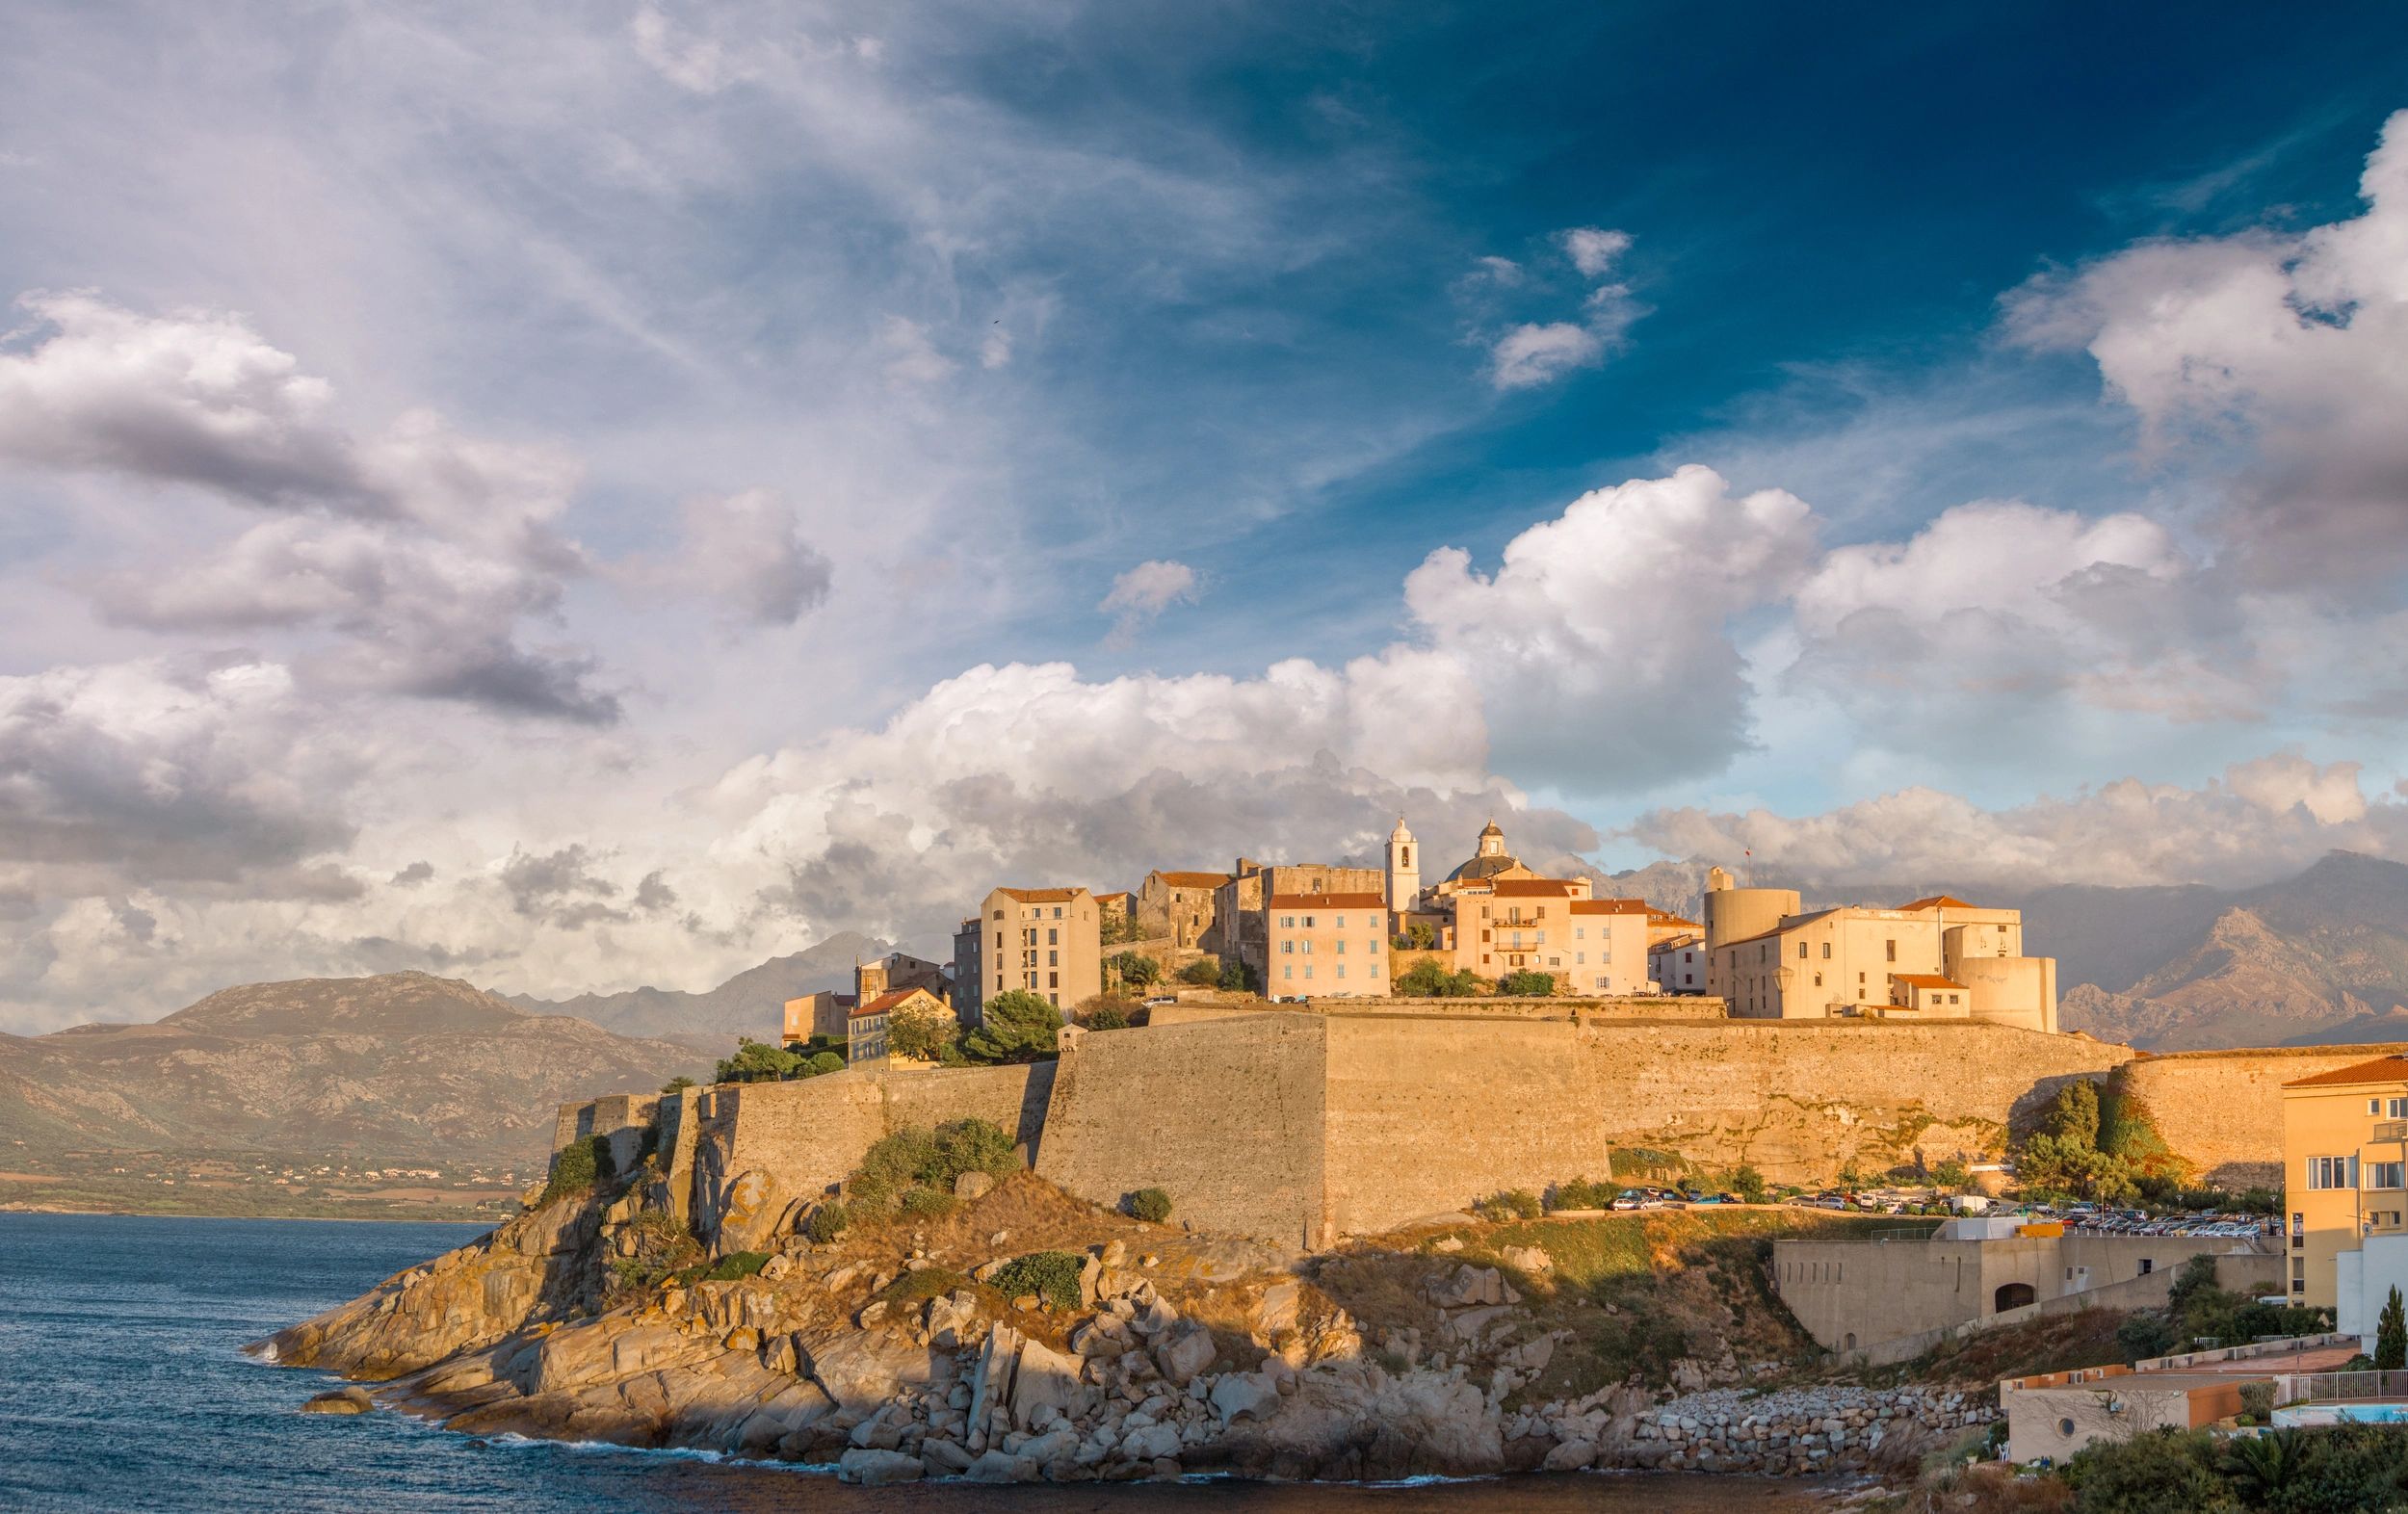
1580 1194
822 1064
1511 1204
1951 1176
1106 1013
827 1222
1238 977
2257 1400
2391 1336
1527 984
578 1166
2165 1471
1640 1161
2144 1335
1050 1275
736 1264
926 1203
677 1083
1203 972
1019 1027
1134 968
1151 1205
1429 979
971 1146
1750 1185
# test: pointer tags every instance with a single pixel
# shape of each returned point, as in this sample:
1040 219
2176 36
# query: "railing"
2391 1129
2341 1386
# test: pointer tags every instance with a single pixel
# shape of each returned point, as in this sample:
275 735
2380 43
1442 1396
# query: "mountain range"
748 1003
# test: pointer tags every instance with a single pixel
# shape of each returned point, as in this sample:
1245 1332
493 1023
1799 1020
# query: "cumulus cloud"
410 876
746 555
1532 354
2290 342
1145 592
426 553
1602 646
2260 818
1592 251
560 888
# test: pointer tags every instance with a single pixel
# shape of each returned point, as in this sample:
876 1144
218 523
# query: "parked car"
1628 1198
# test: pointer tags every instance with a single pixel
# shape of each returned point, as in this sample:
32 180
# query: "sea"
123 1386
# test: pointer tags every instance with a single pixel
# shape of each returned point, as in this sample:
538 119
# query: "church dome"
1490 858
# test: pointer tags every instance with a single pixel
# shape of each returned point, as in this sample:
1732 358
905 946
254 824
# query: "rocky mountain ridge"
745 1005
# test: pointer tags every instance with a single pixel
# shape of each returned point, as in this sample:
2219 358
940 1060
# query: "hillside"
403 1069
749 1004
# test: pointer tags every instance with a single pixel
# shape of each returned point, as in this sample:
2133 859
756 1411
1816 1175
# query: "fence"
2341 1386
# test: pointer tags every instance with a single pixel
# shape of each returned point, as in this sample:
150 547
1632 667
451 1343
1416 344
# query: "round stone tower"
1733 914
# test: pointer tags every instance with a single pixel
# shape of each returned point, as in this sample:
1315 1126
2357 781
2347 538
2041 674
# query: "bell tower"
1404 869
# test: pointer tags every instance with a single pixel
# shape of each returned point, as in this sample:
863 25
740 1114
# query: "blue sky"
582 495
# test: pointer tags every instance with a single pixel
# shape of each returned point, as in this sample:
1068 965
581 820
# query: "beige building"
1677 963
1326 945
865 1038
1956 961
1178 904
1043 940
1510 925
1241 905
2344 1174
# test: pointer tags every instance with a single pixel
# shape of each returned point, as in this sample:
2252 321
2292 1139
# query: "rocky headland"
897 1350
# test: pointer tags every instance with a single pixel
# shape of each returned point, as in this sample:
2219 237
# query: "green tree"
1134 968
2391 1336
920 1030
757 1062
822 1064
1105 1014
677 1085
1951 1176
1202 973
1020 1027
1420 936
1750 1185
2075 1115
1238 977
1429 979
1527 984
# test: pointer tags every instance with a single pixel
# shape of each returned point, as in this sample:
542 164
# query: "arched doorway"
2011 1296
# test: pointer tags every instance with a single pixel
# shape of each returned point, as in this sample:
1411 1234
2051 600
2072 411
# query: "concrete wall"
2224 1110
1226 1115
1853 1296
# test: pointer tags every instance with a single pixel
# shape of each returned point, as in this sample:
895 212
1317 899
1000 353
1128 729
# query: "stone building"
1177 903
1957 960
830 1013
1326 945
867 1027
1117 914
1044 940
968 973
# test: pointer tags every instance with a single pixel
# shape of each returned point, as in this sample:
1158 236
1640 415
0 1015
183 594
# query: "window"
1580 932
1287 949
1056 911
2332 1172
1891 948
1827 950
1817 980
1308 970
1053 937
1341 949
1342 970
1053 980
1286 922
1308 922
2398 1108
2387 1174
1342 921
1288 971
1801 950
1580 960
1307 949
1053 959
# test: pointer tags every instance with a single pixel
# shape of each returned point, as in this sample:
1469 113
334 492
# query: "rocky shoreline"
1189 1356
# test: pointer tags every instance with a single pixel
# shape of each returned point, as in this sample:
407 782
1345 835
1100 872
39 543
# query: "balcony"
2389 1130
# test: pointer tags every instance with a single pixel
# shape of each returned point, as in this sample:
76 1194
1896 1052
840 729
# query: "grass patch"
930 1281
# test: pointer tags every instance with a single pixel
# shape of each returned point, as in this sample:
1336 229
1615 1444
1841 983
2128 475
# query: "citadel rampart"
1300 1127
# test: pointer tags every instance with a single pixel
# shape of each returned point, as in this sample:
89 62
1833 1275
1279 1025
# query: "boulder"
943 1459
1277 1313
1184 1350
997 1466
1043 1379
1151 1443
863 1371
1570 1456
876 1469
972 1186
1528 1259
749 1210
1251 1396
340 1400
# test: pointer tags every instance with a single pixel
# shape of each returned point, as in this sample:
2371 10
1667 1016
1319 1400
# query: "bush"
736 1264
2144 1335
1151 1205
926 1203
677 1085
1640 1161
822 1064
827 1222
578 1166
1951 1176
1134 968
1107 1012
1202 973
1750 1185
971 1146
1511 1204
2161 1471
2257 1400
1238 977
1020 1027
1527 984
1429 979
1581 1193
1050 1275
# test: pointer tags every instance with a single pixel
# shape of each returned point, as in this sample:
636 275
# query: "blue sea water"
123 1387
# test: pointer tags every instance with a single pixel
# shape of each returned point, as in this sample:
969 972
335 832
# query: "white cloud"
911 359
2262 818
1534 354
745 554
1145 592
2294 342
1602 646
1592 251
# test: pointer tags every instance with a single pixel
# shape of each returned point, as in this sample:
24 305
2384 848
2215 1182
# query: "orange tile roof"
1328 902
1532 888
1937 901
1927 981
888 1001
1612 906
1666 917
2383 1069
1115 894
1194 879
1042 896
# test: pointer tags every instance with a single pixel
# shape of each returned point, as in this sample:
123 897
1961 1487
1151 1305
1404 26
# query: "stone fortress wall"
1301 1127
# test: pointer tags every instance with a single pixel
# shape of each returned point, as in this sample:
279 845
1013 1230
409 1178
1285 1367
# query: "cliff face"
402 1068
1465 1350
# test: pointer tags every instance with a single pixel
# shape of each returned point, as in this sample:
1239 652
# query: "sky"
573 496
